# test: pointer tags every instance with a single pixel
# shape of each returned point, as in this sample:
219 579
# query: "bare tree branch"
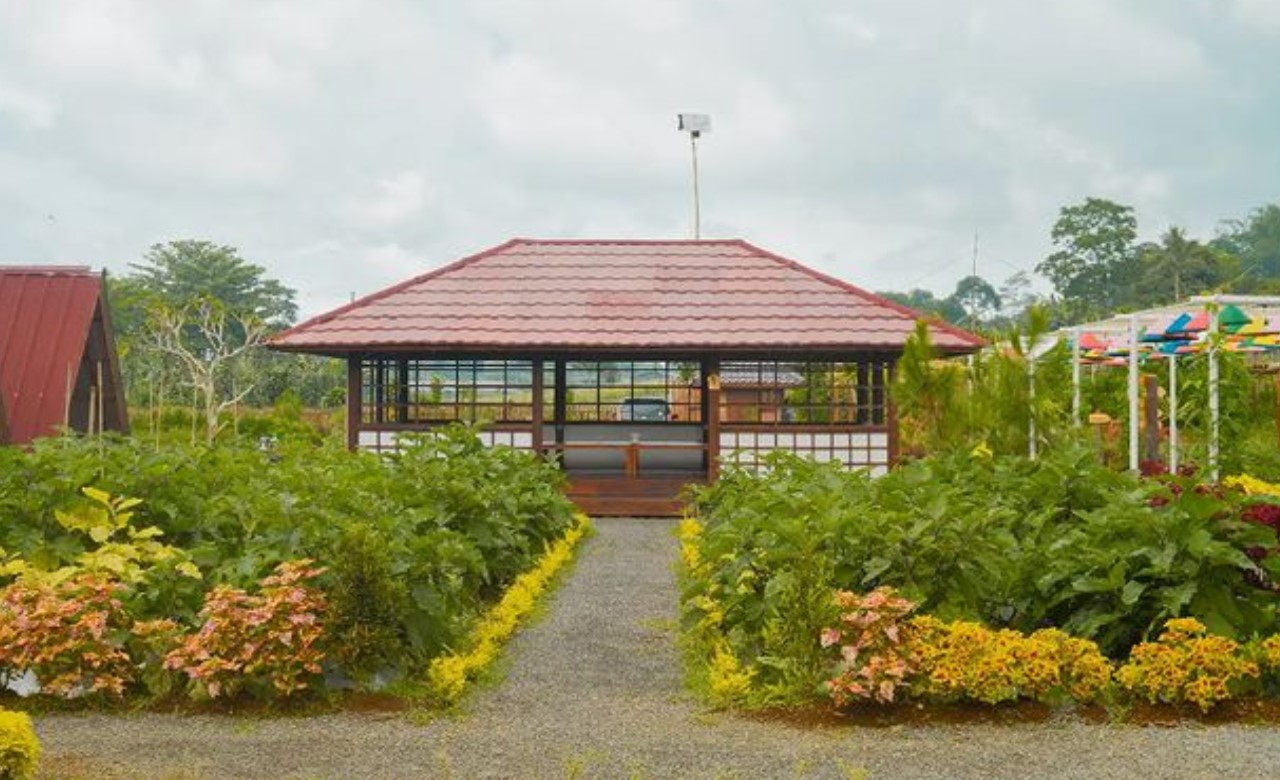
207 342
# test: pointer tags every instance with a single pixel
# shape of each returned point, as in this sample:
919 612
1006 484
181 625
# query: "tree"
180 276
1174 261
206 341
1256 241
925 302
184 273
1095 262
977 298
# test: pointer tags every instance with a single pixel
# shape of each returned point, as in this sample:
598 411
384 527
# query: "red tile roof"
624 295
45 316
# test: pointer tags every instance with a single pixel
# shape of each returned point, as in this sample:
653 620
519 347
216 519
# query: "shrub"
149 643
875 659
368 604
451 523
1186 664
265 645
883 652
999 541
19 747
69 634
965 661
728 681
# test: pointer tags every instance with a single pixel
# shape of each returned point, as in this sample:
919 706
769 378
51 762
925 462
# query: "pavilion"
608 355
58 364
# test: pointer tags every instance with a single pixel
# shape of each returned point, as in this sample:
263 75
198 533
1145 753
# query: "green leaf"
1175 599
94 494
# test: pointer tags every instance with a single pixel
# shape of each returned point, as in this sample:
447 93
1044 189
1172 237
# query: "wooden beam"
353 402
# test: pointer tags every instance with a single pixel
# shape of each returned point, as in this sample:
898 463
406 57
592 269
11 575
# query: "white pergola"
1132 326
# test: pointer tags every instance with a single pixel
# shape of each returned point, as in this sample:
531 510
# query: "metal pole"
1173 413
1075 377
1133 393
1213 390
1032 450
697 209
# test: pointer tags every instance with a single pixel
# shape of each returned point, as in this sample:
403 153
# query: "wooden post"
1151 417
535 416
632 460
711 416
354 405
93 408
890 414
402 391
66 409
560 403
101 401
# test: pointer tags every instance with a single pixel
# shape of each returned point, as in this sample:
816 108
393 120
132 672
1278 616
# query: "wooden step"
620 496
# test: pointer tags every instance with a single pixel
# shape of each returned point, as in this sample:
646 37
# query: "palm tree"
1177 257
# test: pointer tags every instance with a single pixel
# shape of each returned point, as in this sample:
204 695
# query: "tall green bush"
1062 541
449 520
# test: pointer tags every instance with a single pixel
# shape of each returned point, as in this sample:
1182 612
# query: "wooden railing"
631 450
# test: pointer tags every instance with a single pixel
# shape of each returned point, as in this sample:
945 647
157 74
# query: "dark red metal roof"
45 314
623 295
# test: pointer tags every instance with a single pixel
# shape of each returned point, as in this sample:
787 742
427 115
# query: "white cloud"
396 199
28 108
1258 14
345 145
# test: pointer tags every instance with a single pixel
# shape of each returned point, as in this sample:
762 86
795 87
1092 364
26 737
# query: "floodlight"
694 123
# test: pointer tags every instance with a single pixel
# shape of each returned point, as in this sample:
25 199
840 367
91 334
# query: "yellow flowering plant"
1187 664
448 674
1252 486
729 682
963 660
885 651
19 746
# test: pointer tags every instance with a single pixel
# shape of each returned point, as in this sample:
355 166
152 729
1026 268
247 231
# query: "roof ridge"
915 315
77 270
393 289
626 241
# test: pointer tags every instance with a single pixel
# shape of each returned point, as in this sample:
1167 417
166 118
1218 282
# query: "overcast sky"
346 145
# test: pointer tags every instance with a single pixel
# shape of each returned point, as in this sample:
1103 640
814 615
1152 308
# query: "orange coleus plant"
874 658
69 634
266 645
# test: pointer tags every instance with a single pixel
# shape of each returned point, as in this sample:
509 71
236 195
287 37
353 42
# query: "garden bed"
304 578
936 584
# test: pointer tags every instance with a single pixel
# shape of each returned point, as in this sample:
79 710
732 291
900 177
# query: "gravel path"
594 691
